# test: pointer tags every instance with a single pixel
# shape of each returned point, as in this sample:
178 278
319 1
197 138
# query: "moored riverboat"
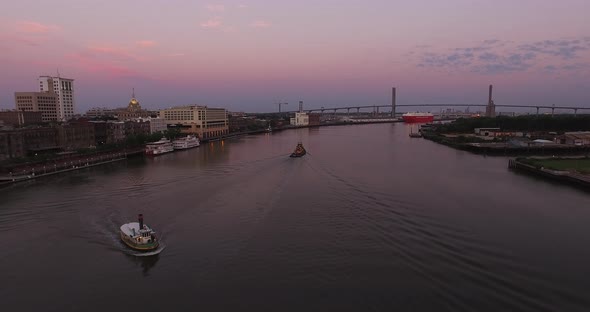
160 147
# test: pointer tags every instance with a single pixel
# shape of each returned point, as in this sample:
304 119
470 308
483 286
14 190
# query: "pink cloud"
216 7
175 54
36 28
214 22
110 52
261 24
145 43
110 68
9 40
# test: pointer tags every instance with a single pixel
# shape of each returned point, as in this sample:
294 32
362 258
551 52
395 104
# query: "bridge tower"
393 102
491 108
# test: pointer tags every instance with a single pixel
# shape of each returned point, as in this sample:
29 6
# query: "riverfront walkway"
51 167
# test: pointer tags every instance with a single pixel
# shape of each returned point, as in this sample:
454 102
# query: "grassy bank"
581 165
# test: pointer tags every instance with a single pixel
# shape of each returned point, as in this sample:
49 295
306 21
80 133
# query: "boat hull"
418 119
186 147
158 152
139 247
297 155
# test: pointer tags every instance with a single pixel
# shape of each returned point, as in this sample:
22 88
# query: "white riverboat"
161 147
189 141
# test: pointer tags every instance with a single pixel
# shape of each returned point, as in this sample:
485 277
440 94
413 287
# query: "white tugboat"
139 236
189 141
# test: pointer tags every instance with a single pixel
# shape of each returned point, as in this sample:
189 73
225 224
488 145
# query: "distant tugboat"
299 151
139 236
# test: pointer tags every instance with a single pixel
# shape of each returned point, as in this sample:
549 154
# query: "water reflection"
146 263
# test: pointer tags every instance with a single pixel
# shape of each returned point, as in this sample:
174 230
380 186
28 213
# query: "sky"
248 55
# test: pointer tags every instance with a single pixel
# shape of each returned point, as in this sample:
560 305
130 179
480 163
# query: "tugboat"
299 151
139 236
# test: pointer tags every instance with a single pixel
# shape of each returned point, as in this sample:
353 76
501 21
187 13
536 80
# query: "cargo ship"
418 117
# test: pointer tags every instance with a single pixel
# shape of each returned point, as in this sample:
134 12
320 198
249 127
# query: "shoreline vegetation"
460 135
532 136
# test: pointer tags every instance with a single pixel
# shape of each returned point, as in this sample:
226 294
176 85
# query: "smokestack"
392 102
301 106
140 219
490 97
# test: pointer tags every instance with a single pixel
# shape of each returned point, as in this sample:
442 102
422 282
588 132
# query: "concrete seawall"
562 176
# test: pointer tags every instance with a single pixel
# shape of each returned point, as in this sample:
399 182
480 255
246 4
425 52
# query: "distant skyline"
247 55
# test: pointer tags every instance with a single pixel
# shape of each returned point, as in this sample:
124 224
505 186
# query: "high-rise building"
64 88
44 102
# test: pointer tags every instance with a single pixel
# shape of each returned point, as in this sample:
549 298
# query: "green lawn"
581 165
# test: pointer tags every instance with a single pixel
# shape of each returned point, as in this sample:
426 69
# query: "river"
368 220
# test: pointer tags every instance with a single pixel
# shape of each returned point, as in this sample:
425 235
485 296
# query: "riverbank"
49 171
33 170
505 148
568 170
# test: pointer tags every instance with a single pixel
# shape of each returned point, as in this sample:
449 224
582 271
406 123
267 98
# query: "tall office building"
64 89
44 102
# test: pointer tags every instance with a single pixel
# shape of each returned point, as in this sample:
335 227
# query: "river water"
369 220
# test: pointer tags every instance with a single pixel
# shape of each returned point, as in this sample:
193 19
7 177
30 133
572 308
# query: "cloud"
214 22
216 7
9 40
145 43
35 27
175 54
111 52
565 49
242 6
110 68
260 24
499 57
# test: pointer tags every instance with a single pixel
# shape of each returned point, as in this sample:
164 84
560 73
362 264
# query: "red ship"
418 117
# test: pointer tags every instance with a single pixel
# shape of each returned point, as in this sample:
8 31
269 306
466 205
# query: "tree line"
546 123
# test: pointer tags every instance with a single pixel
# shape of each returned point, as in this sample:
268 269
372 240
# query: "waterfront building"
44 102
75 135
108 132
133 110
22 142
98 112
314 119
204 121
238 122
137 127
115 132
575 138
156 124
64 89
21 118
300 119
